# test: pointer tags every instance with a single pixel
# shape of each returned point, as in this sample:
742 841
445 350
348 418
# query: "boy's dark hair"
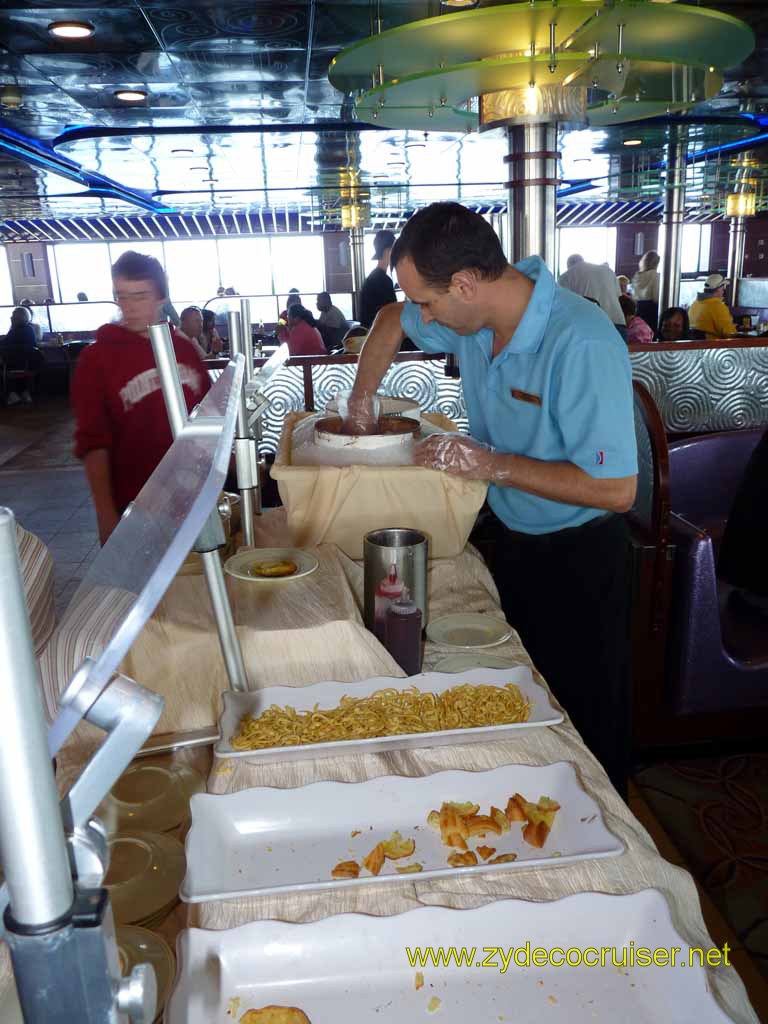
135 266
444 238
299 312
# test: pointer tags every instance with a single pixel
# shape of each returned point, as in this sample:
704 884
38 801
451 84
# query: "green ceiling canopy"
638 58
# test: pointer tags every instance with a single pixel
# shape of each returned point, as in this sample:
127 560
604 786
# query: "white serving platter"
354 968
263 840
328 695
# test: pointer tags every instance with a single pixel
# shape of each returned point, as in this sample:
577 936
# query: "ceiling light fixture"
187 151
633 142
459 3
71 29
131 95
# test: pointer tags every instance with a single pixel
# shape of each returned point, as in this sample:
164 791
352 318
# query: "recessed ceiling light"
130 95
71 29
633 142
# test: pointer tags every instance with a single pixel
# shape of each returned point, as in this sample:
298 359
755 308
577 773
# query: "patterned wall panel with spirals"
424 382
704 390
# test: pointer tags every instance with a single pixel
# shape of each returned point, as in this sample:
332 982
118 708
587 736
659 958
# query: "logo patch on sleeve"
600 457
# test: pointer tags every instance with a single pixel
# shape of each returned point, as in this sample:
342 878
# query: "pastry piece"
275 1015
396 847
482 824
375 859
516 809
409 869
500 818
463 860
541 818
486 851
503 858
273 570
346 869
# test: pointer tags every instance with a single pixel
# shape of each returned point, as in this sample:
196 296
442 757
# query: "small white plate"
464 662
238 565
468 630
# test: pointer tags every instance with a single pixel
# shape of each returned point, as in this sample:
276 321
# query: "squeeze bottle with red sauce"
389 590
403 634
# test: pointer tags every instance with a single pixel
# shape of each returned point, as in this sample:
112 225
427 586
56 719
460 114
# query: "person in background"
595 282
547 384
168 312
36 327
82 297
378 290
294 299
303 338
230 291
211 341
624 288
331 323
121 423
709 312
673 325
645 288
220 290
18 351
638 331
191 328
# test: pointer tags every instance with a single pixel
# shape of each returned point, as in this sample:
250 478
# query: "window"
83 267
193 271
6 291
596 245
694 249
298 261
244 264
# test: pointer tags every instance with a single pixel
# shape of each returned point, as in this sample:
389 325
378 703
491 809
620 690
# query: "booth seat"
717 653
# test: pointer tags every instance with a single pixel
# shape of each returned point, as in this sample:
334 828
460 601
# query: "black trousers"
568 596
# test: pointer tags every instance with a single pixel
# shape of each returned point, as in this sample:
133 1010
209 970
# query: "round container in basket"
393 432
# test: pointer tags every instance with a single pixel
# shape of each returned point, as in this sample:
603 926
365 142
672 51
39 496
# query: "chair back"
651 508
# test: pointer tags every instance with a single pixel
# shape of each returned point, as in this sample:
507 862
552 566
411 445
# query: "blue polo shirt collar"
532 328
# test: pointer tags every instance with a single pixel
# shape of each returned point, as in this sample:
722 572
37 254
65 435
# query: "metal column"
357 254
36 870
736 244
531 209
245 314
176 406
674 212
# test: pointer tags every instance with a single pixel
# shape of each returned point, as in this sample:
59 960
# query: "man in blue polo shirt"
548 391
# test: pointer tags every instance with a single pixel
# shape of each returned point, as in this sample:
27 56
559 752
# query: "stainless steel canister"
394 560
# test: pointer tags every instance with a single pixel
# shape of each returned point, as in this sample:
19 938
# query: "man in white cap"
709 312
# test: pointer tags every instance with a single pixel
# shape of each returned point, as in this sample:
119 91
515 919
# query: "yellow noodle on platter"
387 712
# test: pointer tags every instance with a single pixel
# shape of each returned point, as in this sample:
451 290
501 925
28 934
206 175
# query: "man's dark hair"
323 295
135 266
444 238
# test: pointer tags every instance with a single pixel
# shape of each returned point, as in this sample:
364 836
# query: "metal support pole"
245 449
231 651
245 313
736 245
674 212
357 253
32 843
531 209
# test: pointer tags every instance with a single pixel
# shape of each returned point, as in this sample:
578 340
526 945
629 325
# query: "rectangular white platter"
353 968
266 840
328 695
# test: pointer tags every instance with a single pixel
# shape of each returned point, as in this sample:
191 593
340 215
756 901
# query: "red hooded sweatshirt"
119 405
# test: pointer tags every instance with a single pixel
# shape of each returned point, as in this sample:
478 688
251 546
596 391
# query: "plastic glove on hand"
456 453
360 412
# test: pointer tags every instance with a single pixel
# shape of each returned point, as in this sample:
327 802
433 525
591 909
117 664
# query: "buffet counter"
311 629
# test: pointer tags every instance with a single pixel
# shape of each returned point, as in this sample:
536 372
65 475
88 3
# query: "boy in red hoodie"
122 429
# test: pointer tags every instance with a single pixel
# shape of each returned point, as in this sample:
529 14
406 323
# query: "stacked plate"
145 872
150 797
138 946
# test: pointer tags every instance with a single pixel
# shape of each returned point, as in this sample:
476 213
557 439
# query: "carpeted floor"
715 810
